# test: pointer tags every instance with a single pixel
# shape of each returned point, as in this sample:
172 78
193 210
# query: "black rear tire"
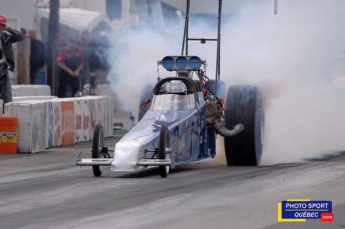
163 148
244 105
97 146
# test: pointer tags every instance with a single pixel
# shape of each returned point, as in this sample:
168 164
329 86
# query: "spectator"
37 56
84 47
8 36
103 40
71 62
84 38
99 58
63 40
98 62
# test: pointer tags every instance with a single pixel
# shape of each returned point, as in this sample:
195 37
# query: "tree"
53 34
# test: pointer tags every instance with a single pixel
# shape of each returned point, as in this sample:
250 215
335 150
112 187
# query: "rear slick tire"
244 106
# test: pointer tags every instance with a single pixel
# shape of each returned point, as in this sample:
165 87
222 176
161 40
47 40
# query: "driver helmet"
176 86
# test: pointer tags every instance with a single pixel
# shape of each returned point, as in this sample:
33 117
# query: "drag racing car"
182 119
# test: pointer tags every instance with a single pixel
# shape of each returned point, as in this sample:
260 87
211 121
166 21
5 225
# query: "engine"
185 66
215 115
214 109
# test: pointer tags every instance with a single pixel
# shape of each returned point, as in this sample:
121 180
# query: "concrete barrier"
101 113
53 123
24 98
67 122
108 115
97 110
59 122
82 109
30 90
32 124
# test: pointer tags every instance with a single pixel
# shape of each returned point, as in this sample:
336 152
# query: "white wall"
92 5
126 14
20 14
23 10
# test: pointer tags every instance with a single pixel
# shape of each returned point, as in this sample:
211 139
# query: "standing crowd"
78 60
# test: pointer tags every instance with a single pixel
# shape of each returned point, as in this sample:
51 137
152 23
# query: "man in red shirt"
71 62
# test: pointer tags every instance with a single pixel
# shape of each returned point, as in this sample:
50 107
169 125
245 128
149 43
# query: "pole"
185 32
275 7
184 38
218 46
53 34
187 25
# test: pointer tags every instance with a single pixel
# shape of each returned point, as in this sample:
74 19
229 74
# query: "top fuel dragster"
182 118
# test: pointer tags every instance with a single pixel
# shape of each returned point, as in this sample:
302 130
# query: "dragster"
181 120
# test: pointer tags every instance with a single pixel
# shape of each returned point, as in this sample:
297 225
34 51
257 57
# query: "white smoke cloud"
135 66
290 56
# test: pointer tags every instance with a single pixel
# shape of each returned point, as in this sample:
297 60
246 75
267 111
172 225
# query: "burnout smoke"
290 56
134 60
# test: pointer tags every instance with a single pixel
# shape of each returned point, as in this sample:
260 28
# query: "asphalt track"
46 190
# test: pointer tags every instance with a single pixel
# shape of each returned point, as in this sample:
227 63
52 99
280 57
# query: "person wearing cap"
8 36
71 62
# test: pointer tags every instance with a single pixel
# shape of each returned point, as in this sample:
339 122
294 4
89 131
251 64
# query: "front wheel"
244 105
164 150
97 147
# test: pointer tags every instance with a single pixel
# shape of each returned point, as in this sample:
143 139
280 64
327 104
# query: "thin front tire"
164 150
97 146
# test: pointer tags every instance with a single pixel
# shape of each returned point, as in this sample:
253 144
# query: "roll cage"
191 85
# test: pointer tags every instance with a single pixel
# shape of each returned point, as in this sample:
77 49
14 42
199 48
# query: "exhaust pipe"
221 130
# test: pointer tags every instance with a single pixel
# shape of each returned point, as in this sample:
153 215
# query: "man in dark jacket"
8 36
37 56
